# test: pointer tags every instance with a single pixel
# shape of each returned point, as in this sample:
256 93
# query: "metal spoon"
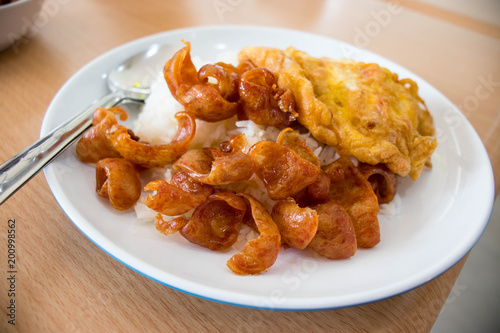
130 81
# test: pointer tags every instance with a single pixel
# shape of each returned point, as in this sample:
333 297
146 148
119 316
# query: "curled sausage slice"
118 180
237 143
260 253
216 223
297 225
206 101
171 226
335 238
153 156
291 139
245 66
94 144
215 167
227 77
263 102
355 194
283 171
383 181
316 193
176 198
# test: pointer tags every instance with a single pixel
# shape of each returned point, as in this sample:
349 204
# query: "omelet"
360 109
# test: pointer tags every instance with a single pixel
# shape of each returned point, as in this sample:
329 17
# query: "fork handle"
18 170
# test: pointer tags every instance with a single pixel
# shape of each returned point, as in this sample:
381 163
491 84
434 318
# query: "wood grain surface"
65 283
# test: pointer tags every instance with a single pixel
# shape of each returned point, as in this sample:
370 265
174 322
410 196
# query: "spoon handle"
18 170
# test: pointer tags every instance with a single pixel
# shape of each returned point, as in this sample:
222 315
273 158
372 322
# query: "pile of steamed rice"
156 124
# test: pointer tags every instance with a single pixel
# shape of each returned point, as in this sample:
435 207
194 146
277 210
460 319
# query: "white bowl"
18 20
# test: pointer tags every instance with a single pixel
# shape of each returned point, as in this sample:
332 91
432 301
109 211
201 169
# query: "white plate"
442 215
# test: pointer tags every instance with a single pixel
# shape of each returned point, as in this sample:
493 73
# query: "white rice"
144 213
392 208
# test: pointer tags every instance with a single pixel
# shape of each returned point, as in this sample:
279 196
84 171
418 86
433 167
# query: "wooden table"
66 284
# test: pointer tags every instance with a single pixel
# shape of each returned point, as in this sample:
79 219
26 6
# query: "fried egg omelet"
360 109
